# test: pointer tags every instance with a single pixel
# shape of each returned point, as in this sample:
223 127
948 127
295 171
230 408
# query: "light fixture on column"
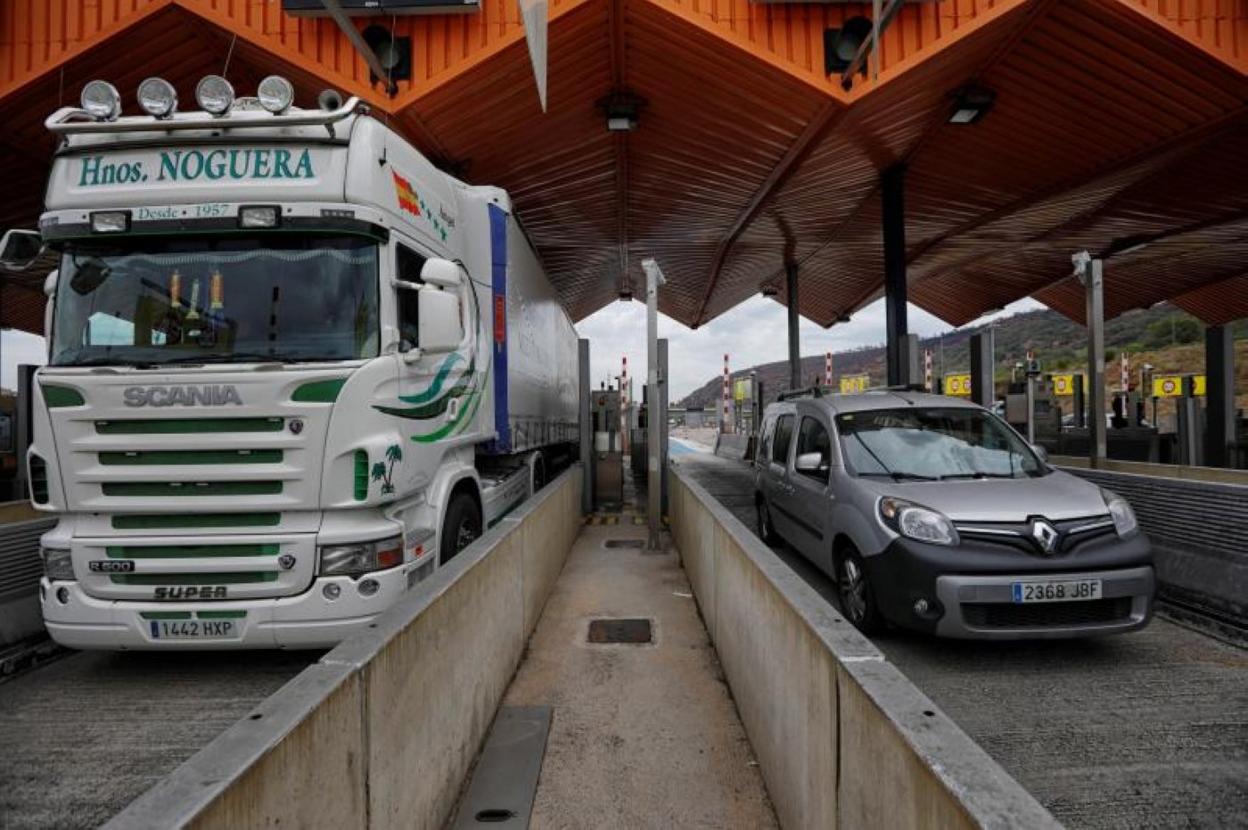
622 110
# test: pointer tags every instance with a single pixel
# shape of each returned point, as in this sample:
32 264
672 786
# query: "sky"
17 347
752 333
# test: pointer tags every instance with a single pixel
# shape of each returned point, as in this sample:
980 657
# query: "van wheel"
461 527
766 530
858 595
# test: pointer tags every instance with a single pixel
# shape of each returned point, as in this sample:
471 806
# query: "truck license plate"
192 629
1057 591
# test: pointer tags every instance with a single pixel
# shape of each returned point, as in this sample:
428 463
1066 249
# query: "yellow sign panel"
1064 385
958 384
1171 386
855 383
739 390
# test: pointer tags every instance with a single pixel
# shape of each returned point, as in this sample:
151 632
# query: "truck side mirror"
441 272
19 249
441 323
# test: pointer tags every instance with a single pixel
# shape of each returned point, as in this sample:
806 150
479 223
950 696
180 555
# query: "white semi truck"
293 368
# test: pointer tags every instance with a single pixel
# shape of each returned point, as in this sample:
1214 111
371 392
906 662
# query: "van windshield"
231 298
934 445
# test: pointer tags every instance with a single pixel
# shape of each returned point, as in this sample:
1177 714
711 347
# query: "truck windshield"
934 444
235 298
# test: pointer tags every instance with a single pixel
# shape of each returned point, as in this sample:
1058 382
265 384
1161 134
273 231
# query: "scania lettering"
293 369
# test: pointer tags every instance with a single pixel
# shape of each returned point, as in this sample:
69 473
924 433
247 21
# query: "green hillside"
1169 339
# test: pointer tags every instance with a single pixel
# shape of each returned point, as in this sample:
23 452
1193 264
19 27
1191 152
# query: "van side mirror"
441 322
441 272
809 462
19 249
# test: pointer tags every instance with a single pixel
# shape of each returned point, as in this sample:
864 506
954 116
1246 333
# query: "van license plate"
1057 591
192 629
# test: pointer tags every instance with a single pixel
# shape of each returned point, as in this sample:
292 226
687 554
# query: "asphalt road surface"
1148 729
83 736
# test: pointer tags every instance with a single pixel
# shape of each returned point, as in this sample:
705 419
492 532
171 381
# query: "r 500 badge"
111 566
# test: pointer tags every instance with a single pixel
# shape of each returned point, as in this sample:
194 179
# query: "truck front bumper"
309 620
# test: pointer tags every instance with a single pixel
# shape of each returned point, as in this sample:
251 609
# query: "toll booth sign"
852 384
1171 386
1064 385
958 385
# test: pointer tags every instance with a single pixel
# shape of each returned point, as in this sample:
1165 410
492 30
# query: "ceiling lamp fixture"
770 291
394 54
840 46
621 109
971 104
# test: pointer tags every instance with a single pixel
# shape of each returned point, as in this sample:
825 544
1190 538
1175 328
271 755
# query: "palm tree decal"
384 470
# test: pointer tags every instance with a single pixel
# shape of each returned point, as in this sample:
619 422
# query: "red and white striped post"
726 423
827 369
927 369
625 421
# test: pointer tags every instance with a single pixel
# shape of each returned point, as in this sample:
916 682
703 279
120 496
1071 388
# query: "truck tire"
461 526
857 594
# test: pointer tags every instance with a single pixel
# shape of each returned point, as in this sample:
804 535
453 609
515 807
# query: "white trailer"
293 368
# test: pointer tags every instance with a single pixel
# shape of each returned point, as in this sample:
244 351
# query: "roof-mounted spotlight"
215 95
840 46
101 101
158 98
276 94
622 109
971 104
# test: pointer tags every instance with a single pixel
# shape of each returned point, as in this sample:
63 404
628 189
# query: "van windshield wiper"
902 476
975 475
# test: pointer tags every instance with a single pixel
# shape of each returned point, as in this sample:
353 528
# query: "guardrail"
382 731
843 739
1198 523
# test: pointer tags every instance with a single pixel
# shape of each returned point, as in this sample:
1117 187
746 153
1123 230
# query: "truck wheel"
766 530
539 473
858 595
461 527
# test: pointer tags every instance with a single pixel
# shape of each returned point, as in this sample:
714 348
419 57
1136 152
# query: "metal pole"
1031 409
587 430
1094 283
663 418
795 351
654 482
981 369
892 190
1219 396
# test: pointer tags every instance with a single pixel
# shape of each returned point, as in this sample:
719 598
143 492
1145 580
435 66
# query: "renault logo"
1045 535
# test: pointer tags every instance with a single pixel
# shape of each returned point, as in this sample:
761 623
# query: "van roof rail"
804 392
900 387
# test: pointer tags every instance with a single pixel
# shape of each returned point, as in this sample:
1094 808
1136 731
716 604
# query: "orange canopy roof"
1119 126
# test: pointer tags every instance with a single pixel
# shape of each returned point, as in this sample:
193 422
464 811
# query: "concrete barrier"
1197 520
843 739
382 731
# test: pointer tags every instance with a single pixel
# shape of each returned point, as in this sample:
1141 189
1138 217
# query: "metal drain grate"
626 543
628 631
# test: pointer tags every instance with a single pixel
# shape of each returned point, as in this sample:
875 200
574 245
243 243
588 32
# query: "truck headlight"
917 522
1122 514
360 557
58 564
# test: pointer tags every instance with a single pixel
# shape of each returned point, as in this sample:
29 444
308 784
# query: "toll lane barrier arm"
381 732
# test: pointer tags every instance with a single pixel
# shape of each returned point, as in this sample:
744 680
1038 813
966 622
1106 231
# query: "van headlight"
1122 514
917 522
58 564
360 558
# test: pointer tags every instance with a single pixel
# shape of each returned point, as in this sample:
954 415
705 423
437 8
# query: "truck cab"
272 399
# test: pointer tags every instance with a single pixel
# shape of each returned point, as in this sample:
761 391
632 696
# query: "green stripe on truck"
229 578
191 457
192 488
189 551
173 426
162 521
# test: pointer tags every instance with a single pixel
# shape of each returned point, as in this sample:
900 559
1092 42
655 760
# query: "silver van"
931 513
